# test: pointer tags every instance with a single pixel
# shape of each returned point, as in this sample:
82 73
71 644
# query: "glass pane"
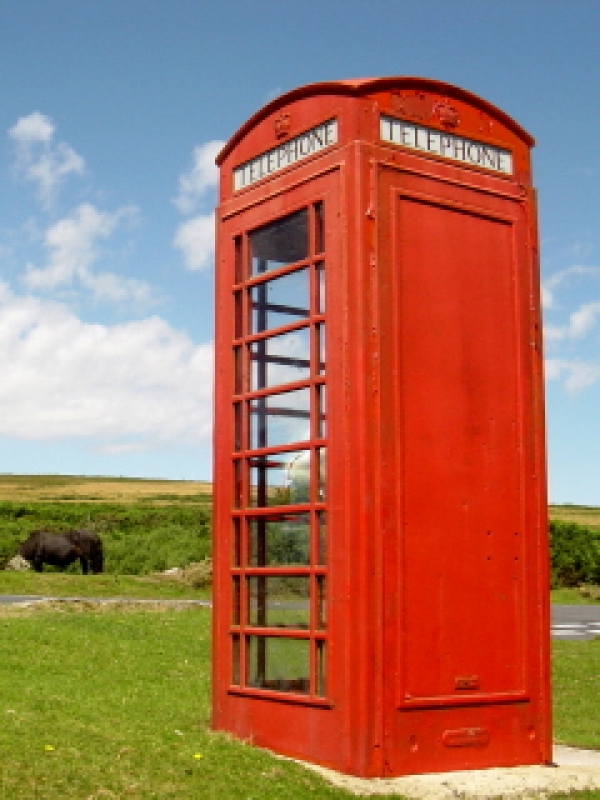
235 660
279 243
237 484
322 479
322 412
280 359
280 419
279 602
236 599
279 540
239 315
237 543
279 663
280 301
237 426
319 228
280 479
320 288
322 527
237 370
298 476
321 669
321 349
321 603
239 264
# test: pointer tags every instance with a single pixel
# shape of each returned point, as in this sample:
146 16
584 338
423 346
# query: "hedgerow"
574 554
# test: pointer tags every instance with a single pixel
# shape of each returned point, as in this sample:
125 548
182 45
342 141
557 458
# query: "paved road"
17 598
575 622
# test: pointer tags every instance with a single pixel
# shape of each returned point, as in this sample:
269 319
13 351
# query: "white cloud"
196 240
41 160
550 285
108 287
580 324
201 179
34 128
577 375
129 385
73 245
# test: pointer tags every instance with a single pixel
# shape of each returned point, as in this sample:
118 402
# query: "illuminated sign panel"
447 145
300 147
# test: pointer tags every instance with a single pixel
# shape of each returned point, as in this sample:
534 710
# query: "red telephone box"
380 537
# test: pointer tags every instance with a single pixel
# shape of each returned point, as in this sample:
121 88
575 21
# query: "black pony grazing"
61 549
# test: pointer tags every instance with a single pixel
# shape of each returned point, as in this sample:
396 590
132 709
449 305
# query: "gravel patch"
577 770
32 605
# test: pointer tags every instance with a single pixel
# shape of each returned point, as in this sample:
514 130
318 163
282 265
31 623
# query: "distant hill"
583 515
84 488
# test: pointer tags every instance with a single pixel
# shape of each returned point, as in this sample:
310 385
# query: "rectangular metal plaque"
446 145
290 152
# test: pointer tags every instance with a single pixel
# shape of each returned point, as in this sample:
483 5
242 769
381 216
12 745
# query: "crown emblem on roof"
282 125
447 114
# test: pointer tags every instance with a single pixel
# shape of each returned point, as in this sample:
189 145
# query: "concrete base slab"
576 770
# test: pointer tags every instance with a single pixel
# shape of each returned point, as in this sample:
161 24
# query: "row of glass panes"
281 540
282 300
281 242
280 664
281 359
282 479
294 296
283 418
280 601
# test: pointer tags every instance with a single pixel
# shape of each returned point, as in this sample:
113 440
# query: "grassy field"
583 515
35 488
570 597
577 692
99 704
65 488
56 584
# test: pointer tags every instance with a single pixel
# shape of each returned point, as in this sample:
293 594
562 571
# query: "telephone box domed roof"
366 87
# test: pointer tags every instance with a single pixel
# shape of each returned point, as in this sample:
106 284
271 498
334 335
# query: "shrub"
575 554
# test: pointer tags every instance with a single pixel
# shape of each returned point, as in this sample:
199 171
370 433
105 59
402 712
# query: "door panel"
461 626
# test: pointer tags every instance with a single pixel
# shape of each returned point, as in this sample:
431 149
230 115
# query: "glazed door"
272 613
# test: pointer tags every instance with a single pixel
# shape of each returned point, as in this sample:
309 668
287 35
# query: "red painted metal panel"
463 493
467 629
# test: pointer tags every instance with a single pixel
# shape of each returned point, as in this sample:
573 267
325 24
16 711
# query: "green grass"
56 584
577 692
112 704
570 597
100 705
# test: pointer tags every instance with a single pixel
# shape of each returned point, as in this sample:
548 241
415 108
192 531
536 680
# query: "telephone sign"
292 151
428 140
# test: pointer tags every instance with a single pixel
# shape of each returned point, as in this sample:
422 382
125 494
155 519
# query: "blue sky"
110 116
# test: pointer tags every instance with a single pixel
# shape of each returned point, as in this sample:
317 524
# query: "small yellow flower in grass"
49 747
198 755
